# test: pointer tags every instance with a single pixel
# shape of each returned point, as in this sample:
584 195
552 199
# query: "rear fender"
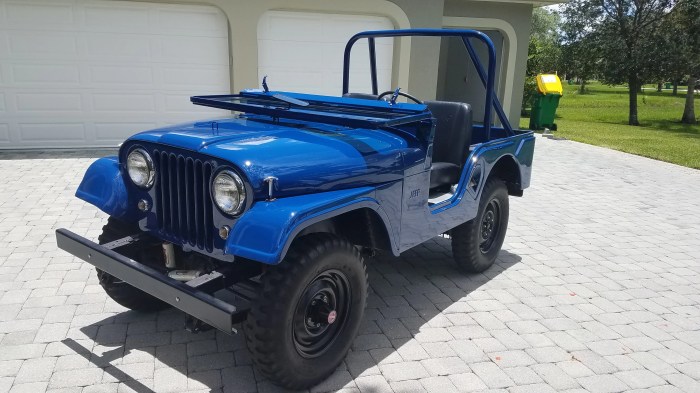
265 232
103 186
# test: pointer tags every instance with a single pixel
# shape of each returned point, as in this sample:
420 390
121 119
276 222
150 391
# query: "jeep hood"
304 157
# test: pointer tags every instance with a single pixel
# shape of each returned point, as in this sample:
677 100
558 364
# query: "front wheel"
476 243
308 312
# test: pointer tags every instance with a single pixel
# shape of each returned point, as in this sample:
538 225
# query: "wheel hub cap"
487 225
321 313
490 225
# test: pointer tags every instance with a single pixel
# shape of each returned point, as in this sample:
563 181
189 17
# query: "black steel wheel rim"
490 225
321 313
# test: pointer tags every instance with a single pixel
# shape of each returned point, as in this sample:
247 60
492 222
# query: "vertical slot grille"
183 204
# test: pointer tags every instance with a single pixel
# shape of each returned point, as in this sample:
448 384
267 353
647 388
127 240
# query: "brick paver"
597 288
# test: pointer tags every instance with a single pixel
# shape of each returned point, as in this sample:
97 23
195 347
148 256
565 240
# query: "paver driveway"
598 288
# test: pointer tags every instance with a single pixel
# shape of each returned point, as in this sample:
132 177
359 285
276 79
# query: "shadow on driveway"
409 296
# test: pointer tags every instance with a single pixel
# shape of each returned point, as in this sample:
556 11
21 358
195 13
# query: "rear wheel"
308 312
476 243
121 292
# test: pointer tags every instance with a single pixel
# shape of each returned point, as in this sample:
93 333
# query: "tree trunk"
675 87
634 90
582 89
689 111
658 87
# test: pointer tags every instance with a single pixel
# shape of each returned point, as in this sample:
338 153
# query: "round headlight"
140 168
229 193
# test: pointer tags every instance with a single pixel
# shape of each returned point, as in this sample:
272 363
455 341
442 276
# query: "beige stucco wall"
422 69
513 21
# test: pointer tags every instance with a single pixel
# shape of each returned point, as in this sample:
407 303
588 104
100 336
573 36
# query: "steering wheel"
399 93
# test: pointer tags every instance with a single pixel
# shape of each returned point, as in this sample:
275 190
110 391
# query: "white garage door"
303 51
79 73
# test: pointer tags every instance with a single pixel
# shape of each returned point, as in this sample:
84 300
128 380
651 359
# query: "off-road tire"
270 328
467 240
121 292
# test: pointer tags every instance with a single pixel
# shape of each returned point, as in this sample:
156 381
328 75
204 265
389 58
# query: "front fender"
103 186
265 232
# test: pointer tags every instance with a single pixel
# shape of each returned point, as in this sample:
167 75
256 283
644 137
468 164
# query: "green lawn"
599 117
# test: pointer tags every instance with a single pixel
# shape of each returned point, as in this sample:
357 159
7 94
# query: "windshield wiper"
282 97
290 100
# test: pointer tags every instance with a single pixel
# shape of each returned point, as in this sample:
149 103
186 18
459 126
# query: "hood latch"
271 184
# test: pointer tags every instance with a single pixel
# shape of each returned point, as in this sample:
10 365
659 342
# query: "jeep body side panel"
421 221
266 231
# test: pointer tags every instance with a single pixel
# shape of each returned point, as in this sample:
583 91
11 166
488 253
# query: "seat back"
453 131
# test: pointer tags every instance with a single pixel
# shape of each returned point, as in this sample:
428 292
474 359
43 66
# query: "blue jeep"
266 218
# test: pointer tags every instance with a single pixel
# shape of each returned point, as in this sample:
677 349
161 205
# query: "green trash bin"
546 102
668 85
544 108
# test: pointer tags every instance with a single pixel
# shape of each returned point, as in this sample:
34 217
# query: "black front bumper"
193 301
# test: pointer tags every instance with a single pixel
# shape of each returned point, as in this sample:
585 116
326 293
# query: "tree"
544 51
683 23
625 33
674 47
672 55
580 53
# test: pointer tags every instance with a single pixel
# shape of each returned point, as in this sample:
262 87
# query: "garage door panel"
120 16
302 26
40 74
45 14
90 73
182 109
115 132
359 58
201 79
298 81
4 44
303 51
345 26
124 47
195 50
123 103
299 55
115 76
40 45
192 20
56 132
4 134
175 103
43 102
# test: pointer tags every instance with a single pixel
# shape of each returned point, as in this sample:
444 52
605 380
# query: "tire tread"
280 279
464 247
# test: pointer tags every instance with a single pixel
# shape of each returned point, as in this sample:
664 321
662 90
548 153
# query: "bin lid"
549 84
